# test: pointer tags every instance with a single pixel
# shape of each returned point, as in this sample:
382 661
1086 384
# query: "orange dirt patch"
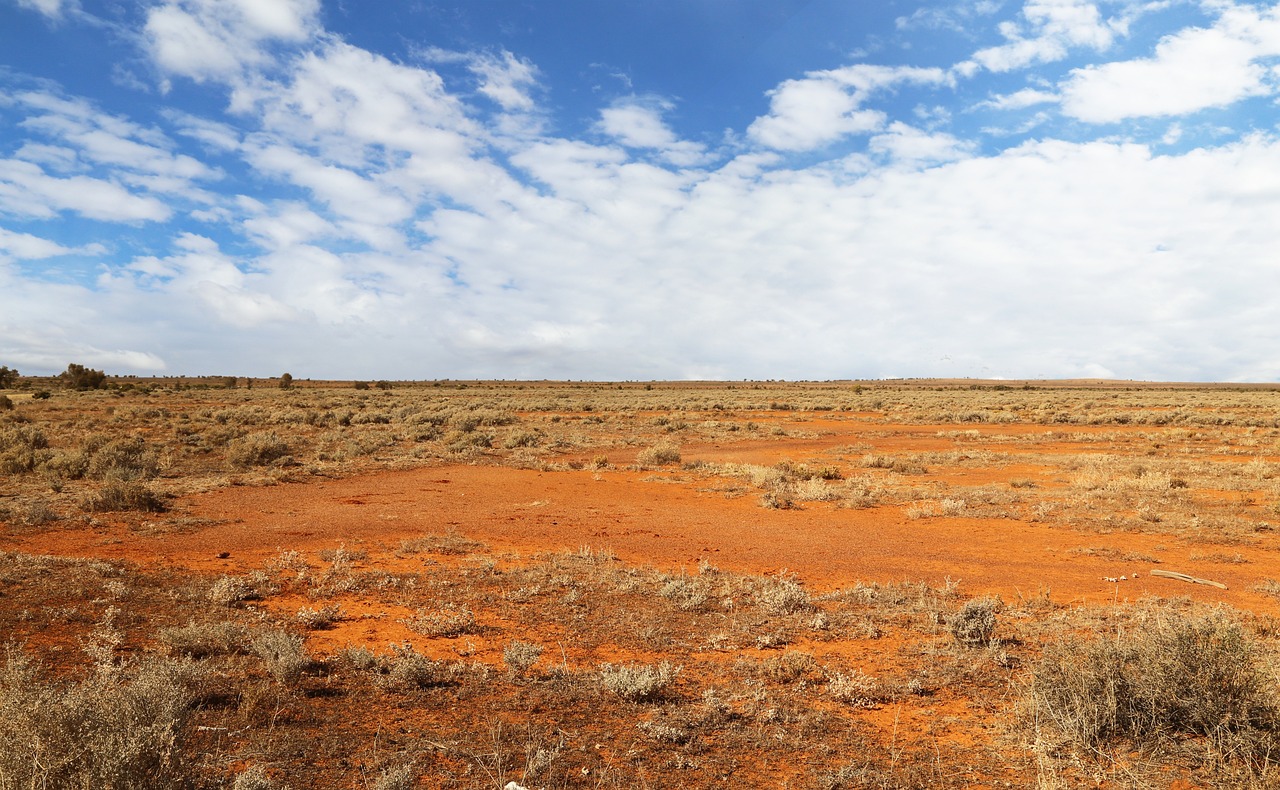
646 520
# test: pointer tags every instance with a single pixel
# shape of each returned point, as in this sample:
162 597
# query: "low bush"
975 623
124 460
115 730
201 640
659 455
408 669
284 654
521 656
117 496
1168 680
257 449
638 682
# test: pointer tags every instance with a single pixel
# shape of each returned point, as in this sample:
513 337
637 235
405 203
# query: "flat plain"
568 584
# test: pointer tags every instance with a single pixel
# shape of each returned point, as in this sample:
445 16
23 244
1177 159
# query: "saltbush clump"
638 682
659 455
976 622
1159 684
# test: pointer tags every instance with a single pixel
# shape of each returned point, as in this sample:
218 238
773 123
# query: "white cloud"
506 80
1191 70
906 144
638 123
825 106
27 191
216 39
24 246
201 271
53 9
1051 29
1018 100
410 231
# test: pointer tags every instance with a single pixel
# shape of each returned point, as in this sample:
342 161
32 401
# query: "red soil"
653 519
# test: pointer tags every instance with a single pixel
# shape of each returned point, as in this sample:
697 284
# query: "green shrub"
81 378
22 449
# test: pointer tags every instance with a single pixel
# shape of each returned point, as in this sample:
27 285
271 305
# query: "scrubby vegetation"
575 669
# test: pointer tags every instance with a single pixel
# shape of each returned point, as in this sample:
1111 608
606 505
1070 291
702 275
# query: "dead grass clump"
408 669
320 619
256 778
284 654
231 590
690 594
120 496
258 449
782 596
975 623
856 689
662 454
638 682
113 730
449 544
521 656
790 667
445 622
1172 679
200 640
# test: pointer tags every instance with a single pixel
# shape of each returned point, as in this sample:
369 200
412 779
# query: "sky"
641 189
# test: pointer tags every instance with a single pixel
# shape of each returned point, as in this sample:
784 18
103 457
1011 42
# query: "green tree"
7 377
81 378
286 381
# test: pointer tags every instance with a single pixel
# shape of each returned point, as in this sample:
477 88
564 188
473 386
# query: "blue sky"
637 190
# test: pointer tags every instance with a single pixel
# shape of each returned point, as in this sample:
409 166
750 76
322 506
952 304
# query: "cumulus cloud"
1049 30
1189 71
907 144
637 122
216 39
825 106
408 228
1018 100
27 191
